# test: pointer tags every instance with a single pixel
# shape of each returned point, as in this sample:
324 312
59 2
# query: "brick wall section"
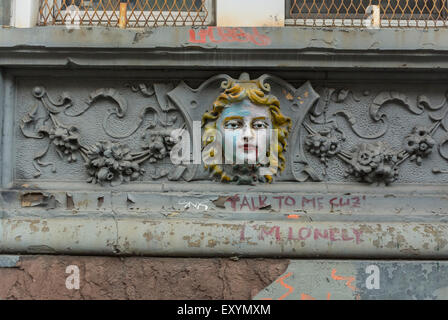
43 277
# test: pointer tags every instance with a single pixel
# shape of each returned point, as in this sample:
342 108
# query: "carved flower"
111 162
159 145
66 141
419 144
322 144
374 162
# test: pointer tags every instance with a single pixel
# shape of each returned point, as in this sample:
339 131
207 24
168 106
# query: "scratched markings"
360 280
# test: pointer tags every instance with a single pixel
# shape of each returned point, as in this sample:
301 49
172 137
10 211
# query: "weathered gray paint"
407 220
189 201
7 135
295 38
109 234
347 280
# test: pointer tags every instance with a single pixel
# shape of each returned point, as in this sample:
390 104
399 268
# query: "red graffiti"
225 34
277 233
242 233
293 203
316 202
344 236
329 234
351 202
279 198
318 234
247 202
301 236
303 233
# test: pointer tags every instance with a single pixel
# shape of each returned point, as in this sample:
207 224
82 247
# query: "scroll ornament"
105 161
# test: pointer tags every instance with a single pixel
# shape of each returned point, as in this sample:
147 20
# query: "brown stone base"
44 277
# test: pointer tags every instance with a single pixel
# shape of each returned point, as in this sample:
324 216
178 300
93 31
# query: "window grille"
139 13
357 13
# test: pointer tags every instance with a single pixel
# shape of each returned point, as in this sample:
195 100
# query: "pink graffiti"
253 203
332 234
226 34
304 233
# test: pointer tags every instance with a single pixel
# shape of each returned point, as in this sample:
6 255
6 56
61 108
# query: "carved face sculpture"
245 134
245 131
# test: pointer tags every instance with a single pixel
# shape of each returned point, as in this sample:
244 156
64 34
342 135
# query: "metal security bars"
128 13
367 13
314 13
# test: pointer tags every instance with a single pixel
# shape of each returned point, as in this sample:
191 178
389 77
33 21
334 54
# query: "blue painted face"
245 130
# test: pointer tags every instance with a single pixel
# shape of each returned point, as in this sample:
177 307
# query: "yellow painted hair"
236 91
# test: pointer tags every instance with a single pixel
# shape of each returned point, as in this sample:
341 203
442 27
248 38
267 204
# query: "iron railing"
128 13
362 13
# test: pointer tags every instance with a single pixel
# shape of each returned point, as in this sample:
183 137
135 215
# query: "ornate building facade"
110 143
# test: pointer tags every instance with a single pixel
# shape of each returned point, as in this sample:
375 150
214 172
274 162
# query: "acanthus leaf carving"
392 96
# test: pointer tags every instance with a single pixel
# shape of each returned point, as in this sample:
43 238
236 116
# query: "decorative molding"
375 161
106 161
320 128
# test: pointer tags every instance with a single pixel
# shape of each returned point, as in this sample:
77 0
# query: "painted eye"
259 124
232 124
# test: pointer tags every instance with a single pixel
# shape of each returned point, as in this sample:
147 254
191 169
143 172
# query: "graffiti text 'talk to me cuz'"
293 202
226 34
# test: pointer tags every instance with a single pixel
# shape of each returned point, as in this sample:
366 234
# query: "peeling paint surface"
402 48
272 202
112 235
306 220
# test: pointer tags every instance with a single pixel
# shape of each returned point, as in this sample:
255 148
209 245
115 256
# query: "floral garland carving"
375 161
106 161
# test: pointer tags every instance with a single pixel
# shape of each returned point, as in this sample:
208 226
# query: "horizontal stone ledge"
207 47
405 189
249 203
267 60
207 237
210 38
